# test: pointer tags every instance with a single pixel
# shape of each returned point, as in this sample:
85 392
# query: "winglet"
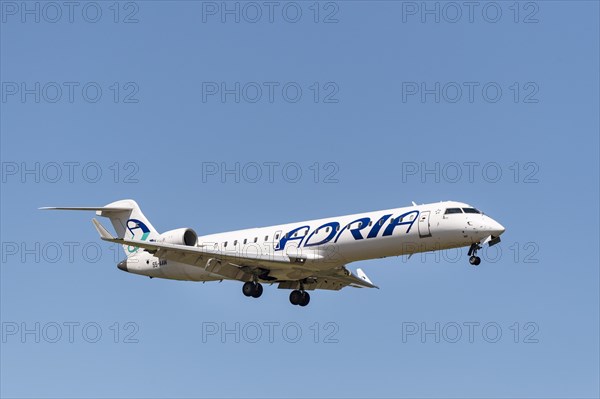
104 234
363 276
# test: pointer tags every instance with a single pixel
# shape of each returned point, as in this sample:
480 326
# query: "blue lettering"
377 226
364 222
334 226
290 237
398 221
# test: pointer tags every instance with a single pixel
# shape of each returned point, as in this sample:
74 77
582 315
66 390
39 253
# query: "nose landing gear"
474 259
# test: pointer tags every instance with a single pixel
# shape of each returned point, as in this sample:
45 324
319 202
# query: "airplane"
301 256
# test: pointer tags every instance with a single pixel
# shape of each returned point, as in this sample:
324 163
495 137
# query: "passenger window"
370 223
266 238
277 236
225 244
255 239
245 241
235 243
452 210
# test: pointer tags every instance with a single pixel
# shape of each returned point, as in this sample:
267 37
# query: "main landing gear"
474 259
298 297
253 289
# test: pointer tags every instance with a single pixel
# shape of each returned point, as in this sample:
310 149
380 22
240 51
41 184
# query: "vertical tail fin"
127 219
130 223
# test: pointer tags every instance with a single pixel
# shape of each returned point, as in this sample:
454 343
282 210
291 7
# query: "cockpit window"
471 210
452 210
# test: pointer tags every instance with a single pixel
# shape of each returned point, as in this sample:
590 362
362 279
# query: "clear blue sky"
375 129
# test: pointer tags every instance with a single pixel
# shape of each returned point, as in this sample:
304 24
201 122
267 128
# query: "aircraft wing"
236 267
332 279
185 254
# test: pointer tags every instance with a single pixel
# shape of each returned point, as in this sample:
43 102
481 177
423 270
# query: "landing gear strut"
474 259
298 297
253 289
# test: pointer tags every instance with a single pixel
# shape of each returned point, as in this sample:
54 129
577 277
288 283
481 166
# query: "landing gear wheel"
475 260
248 288
305 299
258 290
296 297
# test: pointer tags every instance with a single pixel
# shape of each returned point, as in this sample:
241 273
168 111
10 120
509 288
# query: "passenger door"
424 224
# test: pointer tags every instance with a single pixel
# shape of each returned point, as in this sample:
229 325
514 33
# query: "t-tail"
127 219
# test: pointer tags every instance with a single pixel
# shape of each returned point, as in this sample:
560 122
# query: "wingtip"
363 276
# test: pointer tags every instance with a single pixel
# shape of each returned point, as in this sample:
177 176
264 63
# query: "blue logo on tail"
139 231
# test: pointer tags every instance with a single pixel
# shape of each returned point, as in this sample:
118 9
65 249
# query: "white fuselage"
333 242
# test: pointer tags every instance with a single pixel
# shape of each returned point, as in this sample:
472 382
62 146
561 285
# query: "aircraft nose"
122 265
495 228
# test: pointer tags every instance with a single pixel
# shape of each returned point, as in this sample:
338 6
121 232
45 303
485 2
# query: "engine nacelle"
183 236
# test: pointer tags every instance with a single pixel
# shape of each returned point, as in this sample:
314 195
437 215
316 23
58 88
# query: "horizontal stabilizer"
126 217
87 208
